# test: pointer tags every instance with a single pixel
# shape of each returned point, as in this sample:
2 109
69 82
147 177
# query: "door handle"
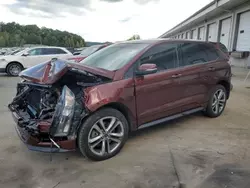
211 69
176 75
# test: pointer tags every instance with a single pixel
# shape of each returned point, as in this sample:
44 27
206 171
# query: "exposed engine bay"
60 104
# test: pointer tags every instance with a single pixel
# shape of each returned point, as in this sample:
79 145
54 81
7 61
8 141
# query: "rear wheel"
13 69
103 134
217 102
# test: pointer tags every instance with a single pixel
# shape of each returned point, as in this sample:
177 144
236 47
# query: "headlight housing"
64 113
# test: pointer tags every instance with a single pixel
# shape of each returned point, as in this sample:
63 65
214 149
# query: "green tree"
78 44
6 36
82 43
2 41
22 42
14 34
135 37
72 42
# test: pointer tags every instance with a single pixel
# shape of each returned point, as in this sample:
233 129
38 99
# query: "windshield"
20 52
17 51
90 50
115 56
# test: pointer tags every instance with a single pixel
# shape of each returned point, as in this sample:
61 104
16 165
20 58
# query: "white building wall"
227 24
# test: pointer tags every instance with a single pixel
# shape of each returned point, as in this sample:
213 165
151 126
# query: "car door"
158 95
214 69
192 62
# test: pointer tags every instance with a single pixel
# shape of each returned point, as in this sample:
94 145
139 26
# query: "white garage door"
212 34
201 35
243 41
194 34
225 30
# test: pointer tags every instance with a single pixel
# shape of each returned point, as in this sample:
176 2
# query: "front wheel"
103 134
217 102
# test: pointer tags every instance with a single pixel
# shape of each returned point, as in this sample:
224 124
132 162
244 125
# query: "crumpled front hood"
52 71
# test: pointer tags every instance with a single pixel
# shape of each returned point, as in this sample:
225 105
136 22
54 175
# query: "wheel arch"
125 111
227 86
12 62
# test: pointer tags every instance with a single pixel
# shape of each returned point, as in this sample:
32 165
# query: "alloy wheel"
219 101
105 136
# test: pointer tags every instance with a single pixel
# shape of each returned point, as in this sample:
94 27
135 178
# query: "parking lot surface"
195 151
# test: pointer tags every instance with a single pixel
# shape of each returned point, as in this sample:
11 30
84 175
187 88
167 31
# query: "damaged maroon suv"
93 105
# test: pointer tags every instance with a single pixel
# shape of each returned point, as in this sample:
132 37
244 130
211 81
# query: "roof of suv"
159 40
47 47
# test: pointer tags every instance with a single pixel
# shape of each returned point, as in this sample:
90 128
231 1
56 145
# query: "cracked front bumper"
35 143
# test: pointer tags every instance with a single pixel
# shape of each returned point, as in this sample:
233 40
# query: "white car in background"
14 64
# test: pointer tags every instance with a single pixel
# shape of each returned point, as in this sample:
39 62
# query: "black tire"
86 127
10 68
210 110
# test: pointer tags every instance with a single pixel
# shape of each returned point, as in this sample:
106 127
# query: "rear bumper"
34 143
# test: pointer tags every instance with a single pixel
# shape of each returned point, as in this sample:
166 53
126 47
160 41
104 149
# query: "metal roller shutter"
225 31
194 34
201 33
212 36
243 40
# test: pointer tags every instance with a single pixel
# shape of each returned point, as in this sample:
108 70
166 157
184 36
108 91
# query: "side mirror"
25 54
146 69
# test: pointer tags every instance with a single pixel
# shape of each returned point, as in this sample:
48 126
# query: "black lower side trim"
170 118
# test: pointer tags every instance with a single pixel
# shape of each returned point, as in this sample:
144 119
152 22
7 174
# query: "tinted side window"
163 55
223 48
51 51
60 51
211 52
36 51
192 54
130 71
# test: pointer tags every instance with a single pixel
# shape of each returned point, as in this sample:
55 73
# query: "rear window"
211 52
223 48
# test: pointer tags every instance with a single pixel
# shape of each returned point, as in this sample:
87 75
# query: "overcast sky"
102 20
